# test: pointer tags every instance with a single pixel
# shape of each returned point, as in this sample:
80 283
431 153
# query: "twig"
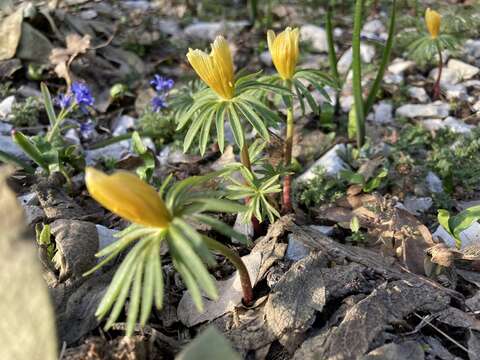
148 330
444 334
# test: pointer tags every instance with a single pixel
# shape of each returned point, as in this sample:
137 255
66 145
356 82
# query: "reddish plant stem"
436 86
237 261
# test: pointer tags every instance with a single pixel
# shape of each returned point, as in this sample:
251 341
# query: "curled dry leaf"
62 58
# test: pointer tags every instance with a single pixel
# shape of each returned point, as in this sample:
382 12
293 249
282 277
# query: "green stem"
385 58
357 74
114 139
287 182
30 149
12 159
332 54
238 263
56 127
253 10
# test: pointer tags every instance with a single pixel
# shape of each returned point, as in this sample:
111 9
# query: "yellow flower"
433 20
284 51
216 69
124 194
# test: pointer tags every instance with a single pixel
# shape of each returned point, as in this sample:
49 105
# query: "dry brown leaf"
63 57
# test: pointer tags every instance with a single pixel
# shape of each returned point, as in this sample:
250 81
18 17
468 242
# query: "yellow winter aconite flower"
216 69
284 50
433 20
124 194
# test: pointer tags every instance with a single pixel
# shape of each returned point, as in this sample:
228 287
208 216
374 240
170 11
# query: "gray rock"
419 94
434 183
463 70
454 124
455 91
449 76
417 205
317 36
330 161
469 236
408 350
399 66
88 14
114 151
367 53
106 236
6 106
28 199
5 128
472 47
122 124
395 79
297 250
436 109
476 106
383 113
373 27
169 27
209 30
7 145
266 58
34 214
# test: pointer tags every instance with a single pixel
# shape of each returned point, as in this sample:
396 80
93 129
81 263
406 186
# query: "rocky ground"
395 288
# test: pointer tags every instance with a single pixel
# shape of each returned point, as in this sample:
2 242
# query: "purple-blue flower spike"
161 84
158 103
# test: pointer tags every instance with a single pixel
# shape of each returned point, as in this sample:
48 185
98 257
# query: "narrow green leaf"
253 119
184 230
220 125
222 228
238 131
47 100
158 278
189 280
148 284
30 149
134 304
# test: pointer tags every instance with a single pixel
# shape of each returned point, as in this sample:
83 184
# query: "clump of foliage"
321 189
25 114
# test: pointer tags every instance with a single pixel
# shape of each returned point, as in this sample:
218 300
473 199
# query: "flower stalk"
357 75
235 259
287 181
436 86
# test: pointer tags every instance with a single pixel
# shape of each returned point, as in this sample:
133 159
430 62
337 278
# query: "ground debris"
365 323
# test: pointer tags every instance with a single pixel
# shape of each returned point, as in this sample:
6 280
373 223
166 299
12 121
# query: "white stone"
72 136
169 27
399 66
331 162
395 79
455 91
296 250
468 237
5 128
367 53
266 58
374 26
472 84
209 30
449 76
472 47
346 102
88 14
464 71
383 113
316 35
114 151
7 145
106 236
6 106
454 124
417 205
436 109
419 94
28 199
434 183
122 124
476 106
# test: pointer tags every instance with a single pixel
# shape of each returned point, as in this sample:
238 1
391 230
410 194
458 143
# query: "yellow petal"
216 69
284 49
433 20
124 194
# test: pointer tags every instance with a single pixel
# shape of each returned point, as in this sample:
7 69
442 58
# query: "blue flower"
83 95
161 84
63 100
87 129
159 103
